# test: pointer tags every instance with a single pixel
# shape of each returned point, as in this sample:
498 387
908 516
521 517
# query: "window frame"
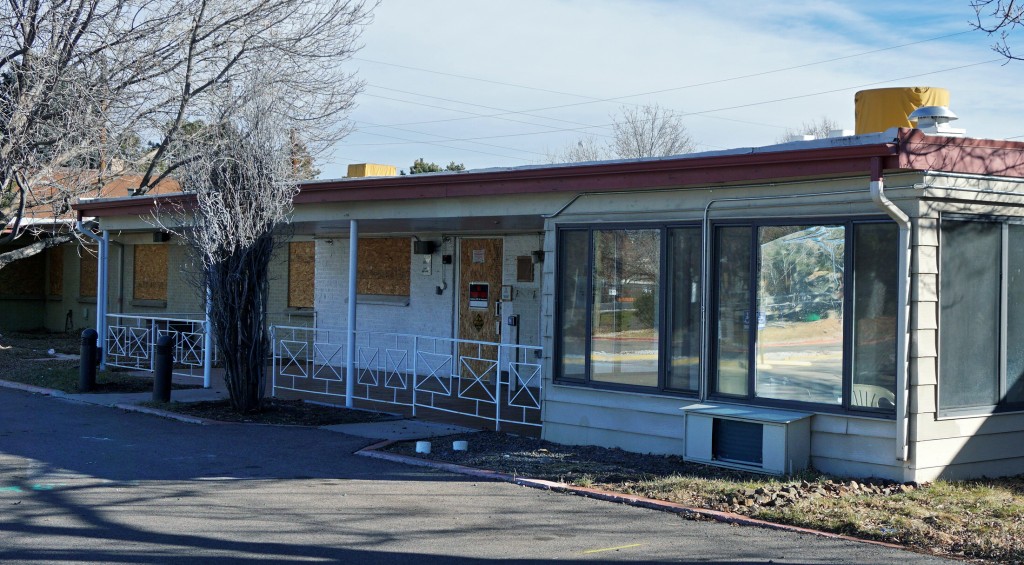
1000 407
665 316
709 304
849 224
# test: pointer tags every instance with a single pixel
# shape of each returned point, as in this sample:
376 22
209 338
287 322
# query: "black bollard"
87 362
163 359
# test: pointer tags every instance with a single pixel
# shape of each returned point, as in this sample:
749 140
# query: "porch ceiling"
392 226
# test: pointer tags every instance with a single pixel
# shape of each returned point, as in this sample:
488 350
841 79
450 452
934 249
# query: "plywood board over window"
24 277
87 267
384 266
55 256
301 273
150 272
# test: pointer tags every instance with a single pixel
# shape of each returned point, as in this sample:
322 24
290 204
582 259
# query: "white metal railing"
130 342
497 382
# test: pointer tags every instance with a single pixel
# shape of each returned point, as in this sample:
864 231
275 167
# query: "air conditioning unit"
751 438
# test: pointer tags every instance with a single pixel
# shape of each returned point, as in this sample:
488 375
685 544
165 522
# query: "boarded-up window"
383 266
150 272
87 272
55 256
301 273
24 277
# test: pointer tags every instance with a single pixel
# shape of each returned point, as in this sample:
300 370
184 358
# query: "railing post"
497 391
208 341
152 345
273 361
415 370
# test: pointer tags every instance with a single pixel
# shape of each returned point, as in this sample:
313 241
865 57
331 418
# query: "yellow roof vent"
371 170
882 108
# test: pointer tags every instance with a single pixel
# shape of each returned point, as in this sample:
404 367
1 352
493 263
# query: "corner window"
615 328
786 323
981 311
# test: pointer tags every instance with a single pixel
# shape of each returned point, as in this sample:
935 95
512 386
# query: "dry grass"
981 519
25 358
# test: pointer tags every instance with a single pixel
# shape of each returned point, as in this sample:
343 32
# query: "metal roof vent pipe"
935 120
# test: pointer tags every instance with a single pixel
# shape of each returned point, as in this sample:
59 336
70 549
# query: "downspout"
101 287
902 312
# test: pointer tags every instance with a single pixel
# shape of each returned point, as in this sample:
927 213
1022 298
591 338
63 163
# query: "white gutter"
877 188
101 287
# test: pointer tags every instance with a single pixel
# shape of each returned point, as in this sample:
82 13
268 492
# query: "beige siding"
951 447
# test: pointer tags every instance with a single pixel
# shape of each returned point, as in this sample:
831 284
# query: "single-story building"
847 303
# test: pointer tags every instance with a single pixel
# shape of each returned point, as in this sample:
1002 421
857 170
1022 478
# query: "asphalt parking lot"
93 484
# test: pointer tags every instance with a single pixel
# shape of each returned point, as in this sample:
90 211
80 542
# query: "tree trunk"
239 286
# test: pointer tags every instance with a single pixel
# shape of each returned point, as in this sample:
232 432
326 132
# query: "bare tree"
63 68
819 128
243 186
650 131
999 18
587 148
644 131
80 80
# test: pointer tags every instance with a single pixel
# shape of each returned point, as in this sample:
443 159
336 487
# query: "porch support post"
102 246
207 341
101 296
350 357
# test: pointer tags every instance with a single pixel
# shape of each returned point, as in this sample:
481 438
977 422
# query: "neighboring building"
848 303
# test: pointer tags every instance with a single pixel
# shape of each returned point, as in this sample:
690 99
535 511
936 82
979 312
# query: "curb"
165 414
126 407
31 388
687 512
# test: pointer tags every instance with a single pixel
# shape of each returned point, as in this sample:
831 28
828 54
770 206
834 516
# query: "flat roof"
869 154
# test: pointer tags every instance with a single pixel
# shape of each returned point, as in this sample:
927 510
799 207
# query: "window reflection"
624 346
572 305
874 315
733 245
684 245
800 313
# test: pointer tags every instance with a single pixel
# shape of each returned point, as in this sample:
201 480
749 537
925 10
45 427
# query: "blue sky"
506 83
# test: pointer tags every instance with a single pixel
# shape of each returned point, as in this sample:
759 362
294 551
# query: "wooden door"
480 266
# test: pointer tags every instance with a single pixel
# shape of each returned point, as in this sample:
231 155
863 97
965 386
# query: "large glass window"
625 317
800 289
614 328
874 313
782 310
981 365
733 312
684 304
800 313
572 303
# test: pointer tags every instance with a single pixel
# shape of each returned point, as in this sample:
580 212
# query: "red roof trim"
912 150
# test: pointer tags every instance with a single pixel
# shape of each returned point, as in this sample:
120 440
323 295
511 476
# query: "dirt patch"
275 411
